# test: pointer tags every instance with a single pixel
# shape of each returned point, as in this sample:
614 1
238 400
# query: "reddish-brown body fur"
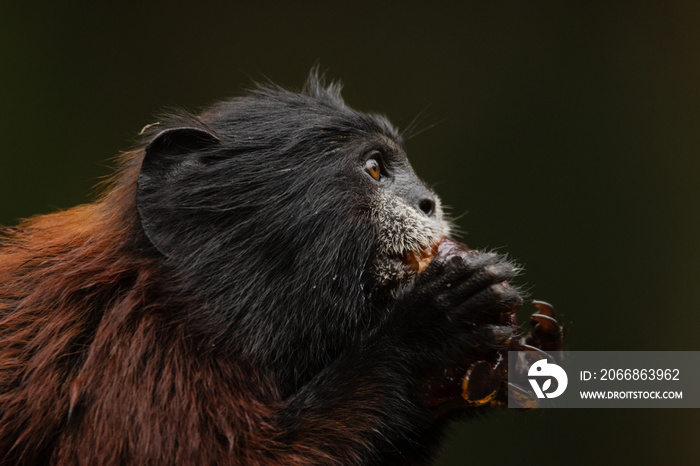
89 375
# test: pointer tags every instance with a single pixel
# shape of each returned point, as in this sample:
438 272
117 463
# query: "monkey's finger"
488 304
443 274
482 279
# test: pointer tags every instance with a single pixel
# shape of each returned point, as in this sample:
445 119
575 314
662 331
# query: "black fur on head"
265 213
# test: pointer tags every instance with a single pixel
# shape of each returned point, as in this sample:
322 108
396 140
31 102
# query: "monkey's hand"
458 321
461 303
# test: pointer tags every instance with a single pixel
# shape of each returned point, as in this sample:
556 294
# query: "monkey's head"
290 216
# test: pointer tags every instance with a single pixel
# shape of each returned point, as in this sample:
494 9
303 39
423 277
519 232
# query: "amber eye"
373 168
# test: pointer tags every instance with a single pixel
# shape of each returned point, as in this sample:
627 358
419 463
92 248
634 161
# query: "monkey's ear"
170 148
157 201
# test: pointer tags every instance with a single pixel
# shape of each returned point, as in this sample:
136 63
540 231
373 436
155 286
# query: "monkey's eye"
374 169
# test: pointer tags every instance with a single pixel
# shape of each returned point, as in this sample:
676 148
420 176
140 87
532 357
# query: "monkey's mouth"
418 261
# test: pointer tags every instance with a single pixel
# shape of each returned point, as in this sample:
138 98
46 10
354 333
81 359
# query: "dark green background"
566 131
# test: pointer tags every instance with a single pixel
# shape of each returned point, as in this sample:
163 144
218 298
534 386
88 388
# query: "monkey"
242 292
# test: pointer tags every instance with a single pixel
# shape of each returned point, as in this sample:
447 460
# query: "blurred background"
564 133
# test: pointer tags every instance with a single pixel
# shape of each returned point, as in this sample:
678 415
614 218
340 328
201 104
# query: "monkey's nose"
427 206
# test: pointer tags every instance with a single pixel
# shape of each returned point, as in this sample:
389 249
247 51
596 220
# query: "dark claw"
542 354
546 334
547 323
544 308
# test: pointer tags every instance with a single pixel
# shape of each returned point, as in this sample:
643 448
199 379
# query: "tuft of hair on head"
318 87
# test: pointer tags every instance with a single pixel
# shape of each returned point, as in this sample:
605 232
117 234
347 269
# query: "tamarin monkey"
265 283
